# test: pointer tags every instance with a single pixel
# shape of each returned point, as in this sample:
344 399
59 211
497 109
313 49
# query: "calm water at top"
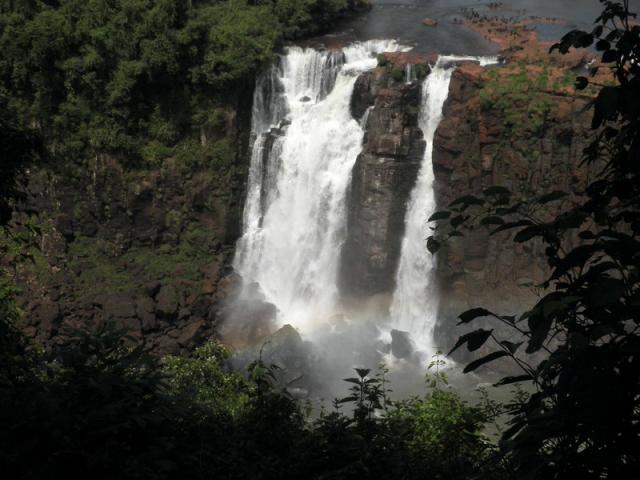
402 20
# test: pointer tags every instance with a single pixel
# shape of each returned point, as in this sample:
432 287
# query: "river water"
402 20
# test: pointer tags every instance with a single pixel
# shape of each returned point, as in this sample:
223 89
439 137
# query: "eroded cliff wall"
145 250
383 177
150 250
525 138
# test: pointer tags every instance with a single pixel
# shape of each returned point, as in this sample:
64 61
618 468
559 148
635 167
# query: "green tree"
132 76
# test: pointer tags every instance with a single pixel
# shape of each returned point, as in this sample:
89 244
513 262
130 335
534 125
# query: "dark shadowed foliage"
19 150
100 408
583 421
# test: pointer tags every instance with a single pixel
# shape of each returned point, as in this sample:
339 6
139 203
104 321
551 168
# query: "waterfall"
408 73
415 301
306 143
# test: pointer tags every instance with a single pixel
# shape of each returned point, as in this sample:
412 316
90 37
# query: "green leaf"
607 291
539 326
511 225
357 381
609 56
441 215
492 220
472 314
509 210
511 346
528 233
587 235
474 340
349 399
513 379
486 359
552 196
433 245
581 83
457 221
608 102
575 258
496 190
467 200
513 429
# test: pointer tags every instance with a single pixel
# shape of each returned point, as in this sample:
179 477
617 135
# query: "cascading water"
415 301
306 143
409 74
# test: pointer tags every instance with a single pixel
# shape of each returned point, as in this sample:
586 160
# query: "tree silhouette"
583 421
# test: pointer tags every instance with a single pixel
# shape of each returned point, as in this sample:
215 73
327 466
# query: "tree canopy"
135 77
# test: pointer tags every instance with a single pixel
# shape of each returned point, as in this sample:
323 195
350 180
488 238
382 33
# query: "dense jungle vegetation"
126 76
101 409
142 79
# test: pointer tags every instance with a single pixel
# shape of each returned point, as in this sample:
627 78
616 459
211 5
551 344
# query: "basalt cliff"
151 251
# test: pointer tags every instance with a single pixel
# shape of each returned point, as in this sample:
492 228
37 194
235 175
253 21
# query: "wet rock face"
383 177
473 150
401 344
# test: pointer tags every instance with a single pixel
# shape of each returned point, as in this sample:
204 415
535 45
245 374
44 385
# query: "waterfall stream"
415 301
306 143
415 304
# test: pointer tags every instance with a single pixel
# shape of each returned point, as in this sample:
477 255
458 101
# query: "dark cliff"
146 250
150 250
484 141
383 177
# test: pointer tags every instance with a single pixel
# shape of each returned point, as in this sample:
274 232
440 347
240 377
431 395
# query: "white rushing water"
415 301
295 211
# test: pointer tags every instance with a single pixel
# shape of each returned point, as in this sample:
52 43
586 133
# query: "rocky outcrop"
383 177
145 251
476 147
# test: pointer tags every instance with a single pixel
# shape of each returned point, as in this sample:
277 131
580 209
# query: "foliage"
100 267
398 75
301 17
442 432
521 99
100 408
203 380
366 395
583 419
19 149
94 410
435 436
136 78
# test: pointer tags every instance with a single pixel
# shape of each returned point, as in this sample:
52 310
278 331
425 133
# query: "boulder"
145 312
362 97
247 322
117 305
191 333
429 22
167 302
401 344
